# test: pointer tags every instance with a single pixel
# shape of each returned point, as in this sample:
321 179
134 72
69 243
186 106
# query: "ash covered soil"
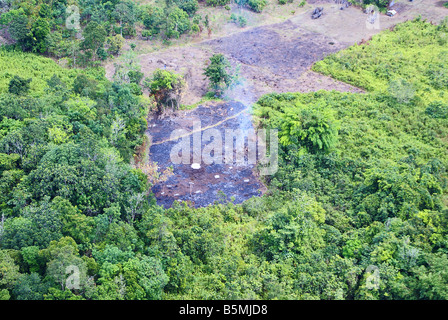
278 58
282 49
210 183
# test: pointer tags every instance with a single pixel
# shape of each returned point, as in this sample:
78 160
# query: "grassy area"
415 52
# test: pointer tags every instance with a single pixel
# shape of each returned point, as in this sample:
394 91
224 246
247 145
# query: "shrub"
315 129
101 53
438 110
195 29
257 5
438 75
238 20
219 74
189 6
19 86
242 21
135 76
241 3
215 3
146 34
114 44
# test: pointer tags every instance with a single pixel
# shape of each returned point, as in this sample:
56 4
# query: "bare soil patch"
348 26
283 49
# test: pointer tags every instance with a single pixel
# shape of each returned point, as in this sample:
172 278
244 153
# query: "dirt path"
202 129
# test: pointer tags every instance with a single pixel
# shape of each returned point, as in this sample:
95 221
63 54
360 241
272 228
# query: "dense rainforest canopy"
361 189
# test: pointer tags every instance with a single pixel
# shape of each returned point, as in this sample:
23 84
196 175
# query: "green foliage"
39 69
19 86
361 180
9 271
239 20
219 73
51 28
189 6
94 37
383 186
257 5
408 60
29 287
166 87
153 19
115 44
215 3
379 3
312 128
241 3
437 109
177 23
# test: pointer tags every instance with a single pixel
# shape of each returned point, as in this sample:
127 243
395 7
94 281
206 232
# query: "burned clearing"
278 58
209 183
271 58
283 49
274 58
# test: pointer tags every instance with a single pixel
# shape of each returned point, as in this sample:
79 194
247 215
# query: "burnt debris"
317 13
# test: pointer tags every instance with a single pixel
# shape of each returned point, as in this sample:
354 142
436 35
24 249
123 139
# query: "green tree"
145 278
257 5
19 86
125 14
189 6
9 273
115 44
219 73
315 129
29 287
177 22
94 37
40 31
